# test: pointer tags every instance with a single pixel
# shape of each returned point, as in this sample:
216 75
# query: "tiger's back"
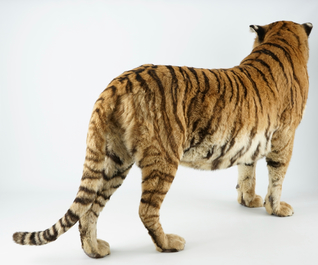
161 116
217 118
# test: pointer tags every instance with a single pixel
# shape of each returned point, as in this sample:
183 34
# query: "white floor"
217 229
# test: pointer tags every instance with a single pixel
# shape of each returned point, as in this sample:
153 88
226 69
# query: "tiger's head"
296 34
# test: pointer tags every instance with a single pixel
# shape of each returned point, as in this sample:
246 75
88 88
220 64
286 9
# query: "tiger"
160 116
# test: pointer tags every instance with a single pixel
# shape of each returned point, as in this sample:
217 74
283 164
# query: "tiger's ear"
308 27
260 31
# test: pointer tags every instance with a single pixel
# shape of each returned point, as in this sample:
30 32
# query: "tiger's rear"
161 116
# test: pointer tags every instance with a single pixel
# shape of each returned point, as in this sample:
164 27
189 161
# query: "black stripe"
100 99
101 194
264 78
217 79
174 84
241 82
254 156
151 203
254 130
54 236
287 55
74 217
23 238
83 201
139 69
94 159
96 215
272 25
267 66
195 125
100 204
154 238
93 170
90 177
157 174
173 145
271 201
272 163
101 124
116 187
32 239
231 84
267 133
204 131
143 83
193 93
154 192
97 136
186 81
206 86
216 163
214 120
39 239
88 149
284 27
87 190
114 157
237 127
174 89
193 71
210 152
68 222
113 88
237 92
274 57
218 160
118 173
62 225
46 235
150 216
236 156
129 86
254 86
287 43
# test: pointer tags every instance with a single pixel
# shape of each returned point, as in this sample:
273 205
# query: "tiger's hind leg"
156 181
93 247
246 186
277 164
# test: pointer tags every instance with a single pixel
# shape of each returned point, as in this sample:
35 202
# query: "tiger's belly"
212 155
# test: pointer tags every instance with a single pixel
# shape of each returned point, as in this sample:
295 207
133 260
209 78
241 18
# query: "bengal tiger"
160 117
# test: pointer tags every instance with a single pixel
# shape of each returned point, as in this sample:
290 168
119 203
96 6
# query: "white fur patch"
195 157
253 28
309 24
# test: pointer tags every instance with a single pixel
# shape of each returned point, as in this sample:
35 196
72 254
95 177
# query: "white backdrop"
56 57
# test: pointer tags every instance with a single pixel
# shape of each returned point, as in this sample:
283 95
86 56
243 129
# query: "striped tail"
82 203
91 183
50 234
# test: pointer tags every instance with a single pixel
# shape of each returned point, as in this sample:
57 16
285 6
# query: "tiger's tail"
91 183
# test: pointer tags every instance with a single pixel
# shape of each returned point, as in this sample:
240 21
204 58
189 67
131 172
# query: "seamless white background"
56 57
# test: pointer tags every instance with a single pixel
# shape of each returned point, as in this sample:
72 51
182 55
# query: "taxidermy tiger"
160 117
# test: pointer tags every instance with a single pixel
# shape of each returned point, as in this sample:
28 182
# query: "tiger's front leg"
246 186
277 164
156 181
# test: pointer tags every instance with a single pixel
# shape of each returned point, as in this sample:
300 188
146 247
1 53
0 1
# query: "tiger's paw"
283 210
101 250
173 243
251 202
